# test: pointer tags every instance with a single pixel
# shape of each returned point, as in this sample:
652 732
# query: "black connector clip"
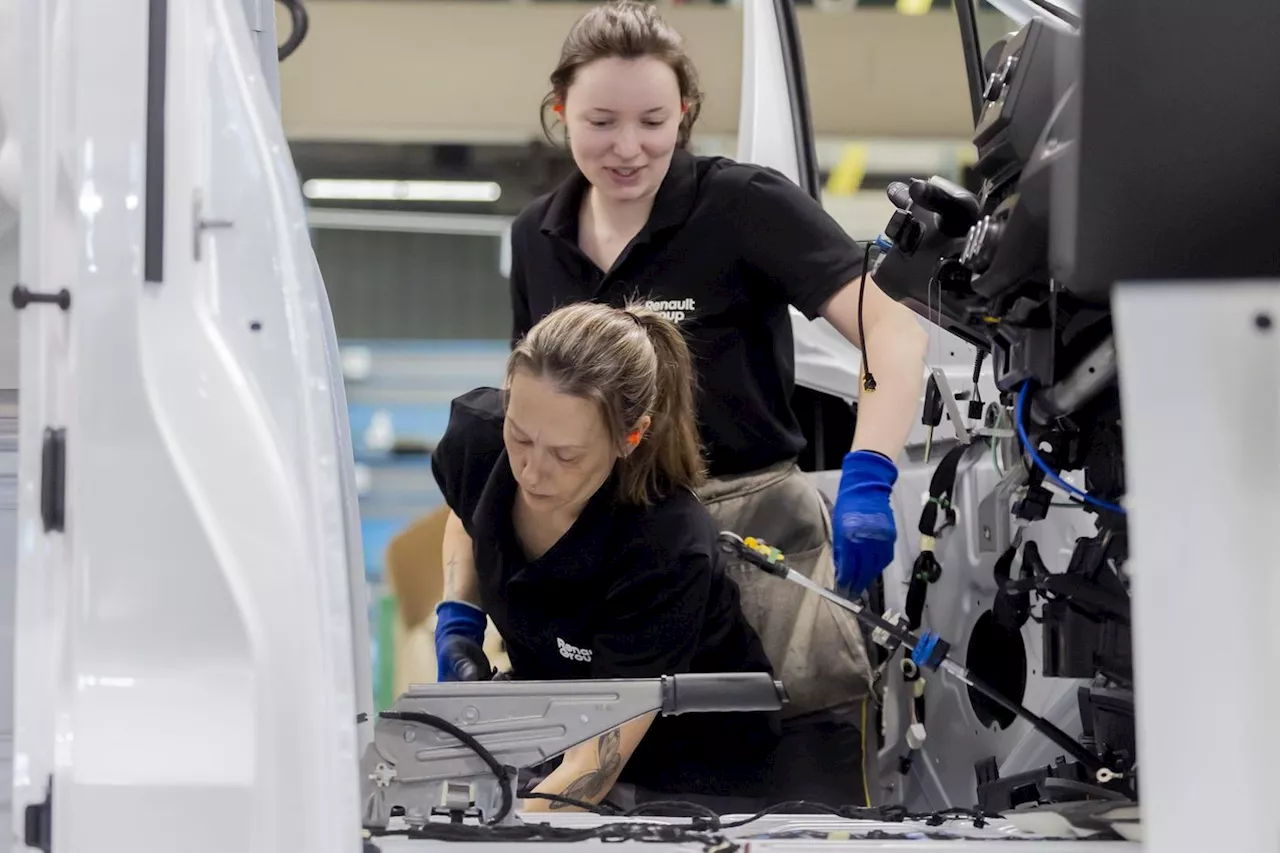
1035 506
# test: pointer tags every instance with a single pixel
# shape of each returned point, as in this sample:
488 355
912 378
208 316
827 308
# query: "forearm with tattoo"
592 785
451 576
460 580
590 769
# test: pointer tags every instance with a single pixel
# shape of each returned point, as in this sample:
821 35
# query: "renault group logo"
675 310
571 652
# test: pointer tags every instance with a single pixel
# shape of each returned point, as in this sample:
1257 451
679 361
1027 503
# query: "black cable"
669 808
301 22
916 836
661 833
882 814
1069 744
604 809
503 773
977 373
706 831
1021 411
868 381
703 828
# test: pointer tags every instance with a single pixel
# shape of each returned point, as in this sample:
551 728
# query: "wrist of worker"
461 617
449 602
860 452
865 464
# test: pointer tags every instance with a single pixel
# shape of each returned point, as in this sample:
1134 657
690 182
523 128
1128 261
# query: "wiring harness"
705 827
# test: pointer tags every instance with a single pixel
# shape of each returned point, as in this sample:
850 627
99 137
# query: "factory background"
390 91
439 101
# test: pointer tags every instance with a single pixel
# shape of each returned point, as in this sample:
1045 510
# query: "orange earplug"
634 438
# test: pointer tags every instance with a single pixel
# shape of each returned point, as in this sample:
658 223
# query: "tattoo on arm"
458 551
450 576
594 783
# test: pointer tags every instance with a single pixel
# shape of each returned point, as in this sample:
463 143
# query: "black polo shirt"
726 249
627 592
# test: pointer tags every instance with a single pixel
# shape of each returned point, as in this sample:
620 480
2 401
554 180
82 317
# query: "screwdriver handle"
757 552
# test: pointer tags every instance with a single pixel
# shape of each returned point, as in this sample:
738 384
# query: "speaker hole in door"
997 656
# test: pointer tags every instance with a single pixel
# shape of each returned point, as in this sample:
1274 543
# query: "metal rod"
798 89
1058 736
1090 378
1046 728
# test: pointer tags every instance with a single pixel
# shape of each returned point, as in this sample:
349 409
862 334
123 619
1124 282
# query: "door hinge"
38 829
53 479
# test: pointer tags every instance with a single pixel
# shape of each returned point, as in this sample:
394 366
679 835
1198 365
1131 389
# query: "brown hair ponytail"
634 363
671 453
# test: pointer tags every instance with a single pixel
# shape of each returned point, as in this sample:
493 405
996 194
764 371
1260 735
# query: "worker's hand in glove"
862 520
460 643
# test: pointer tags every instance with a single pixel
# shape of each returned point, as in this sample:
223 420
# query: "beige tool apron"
817 649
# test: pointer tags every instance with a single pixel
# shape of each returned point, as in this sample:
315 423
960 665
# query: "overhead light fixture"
916 7
343 189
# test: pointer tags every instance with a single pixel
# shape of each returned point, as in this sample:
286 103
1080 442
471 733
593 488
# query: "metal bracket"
413 766
951 406
995 517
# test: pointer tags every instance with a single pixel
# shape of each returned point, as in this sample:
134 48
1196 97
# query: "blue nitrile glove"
862 520
460 643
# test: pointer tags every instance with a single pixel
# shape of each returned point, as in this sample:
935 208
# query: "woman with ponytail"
731 250
576 528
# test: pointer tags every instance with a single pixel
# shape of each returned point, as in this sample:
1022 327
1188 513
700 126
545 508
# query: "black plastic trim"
38 822
1058 13
53 479
798 88
972 45
157 60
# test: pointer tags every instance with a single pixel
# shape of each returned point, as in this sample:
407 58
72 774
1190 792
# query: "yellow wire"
866 789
